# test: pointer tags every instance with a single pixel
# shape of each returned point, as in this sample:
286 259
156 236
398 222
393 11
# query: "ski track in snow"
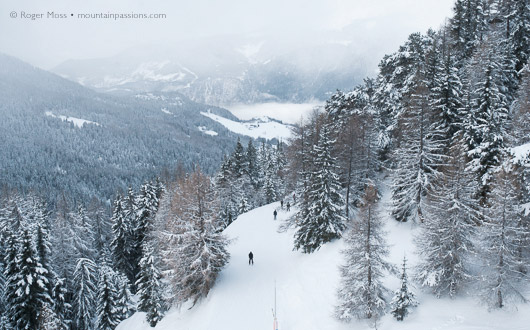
243 296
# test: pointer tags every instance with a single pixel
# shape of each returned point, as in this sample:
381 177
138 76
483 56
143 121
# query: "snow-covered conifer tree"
203 248
361 292
124 307
227 192
61 307
10 272
321 216
239 160
445 242
150 288
43 249
253 168
146 205
520 33
418 156
31 284
503 280
446 99
85 294
403 299
3 298
486 129
269 188
106 309
121 241
82 234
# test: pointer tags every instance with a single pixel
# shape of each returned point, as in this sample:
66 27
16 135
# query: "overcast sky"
46 42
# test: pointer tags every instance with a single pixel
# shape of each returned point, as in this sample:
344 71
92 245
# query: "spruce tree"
107 314
252 168
82 234
419 154
486 130
11 272
43 249
150 287
520 33
239 160
227 192
146 205
61 307
403 299
3 290
121 241
85 294
31 284
446 99
269 187
124 307
320 218
129 211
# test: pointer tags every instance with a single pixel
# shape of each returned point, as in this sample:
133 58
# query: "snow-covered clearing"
206 131
166 111
243 297
521 153
257 128
78 122
286 112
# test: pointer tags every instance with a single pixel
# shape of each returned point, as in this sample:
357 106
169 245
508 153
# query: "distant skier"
281 203
250 258
288 206
294 198
275 214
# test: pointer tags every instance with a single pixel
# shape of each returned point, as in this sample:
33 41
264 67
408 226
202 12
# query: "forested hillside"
447 119
58 136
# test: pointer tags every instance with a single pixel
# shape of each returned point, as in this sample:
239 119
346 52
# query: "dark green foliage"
107 316
150 287
403 299
30 286
321 216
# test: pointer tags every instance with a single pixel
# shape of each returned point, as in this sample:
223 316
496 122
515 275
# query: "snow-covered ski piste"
306 286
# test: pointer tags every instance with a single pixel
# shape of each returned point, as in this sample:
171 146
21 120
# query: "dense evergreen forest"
127 140
443 125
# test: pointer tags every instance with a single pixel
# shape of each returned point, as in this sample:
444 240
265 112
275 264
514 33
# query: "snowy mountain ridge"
226 70
306 286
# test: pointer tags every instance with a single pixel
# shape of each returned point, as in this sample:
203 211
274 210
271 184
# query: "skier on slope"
275 214
288 206
250 258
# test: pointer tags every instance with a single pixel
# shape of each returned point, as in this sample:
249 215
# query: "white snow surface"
78 122
166 111
243 296
262 127
206 131
291 113
521 153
